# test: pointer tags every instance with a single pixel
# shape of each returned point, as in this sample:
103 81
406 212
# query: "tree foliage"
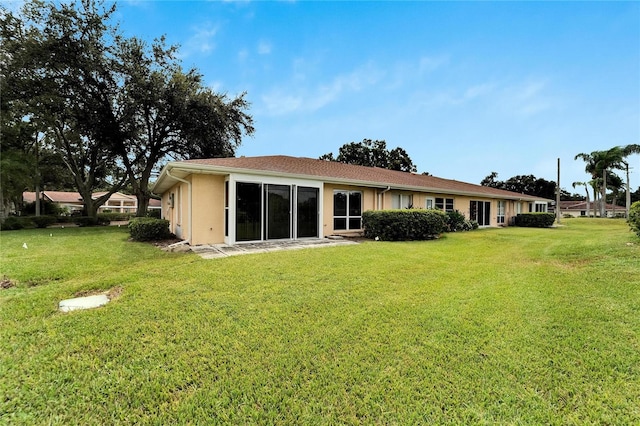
372 153
113 108
523 184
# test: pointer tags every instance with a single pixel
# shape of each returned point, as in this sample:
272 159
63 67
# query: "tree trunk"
603 198
143 204
628 200
587 191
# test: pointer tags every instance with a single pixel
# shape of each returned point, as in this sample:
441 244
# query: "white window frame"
347 217
501 211
429 203
445 201
401 200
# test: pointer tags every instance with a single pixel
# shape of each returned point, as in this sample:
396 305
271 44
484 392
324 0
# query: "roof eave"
203 168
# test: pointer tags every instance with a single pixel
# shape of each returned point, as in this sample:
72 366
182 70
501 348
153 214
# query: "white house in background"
579 209
72 201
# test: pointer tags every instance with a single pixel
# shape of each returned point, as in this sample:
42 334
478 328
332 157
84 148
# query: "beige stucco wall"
207 217
177 215
208 209
460 203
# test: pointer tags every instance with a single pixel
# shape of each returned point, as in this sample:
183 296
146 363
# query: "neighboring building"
579 209
230 200
72 201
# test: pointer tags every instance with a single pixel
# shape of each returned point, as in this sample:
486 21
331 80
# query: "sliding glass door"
307 212
267 212
278 211
248 211
480 211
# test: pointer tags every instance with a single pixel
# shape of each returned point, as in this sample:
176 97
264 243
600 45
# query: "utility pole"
558 195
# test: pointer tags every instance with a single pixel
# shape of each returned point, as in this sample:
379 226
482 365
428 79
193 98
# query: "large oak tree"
114 107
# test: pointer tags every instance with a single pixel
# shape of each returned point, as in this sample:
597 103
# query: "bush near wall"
149 229
535 220
634 217
403 225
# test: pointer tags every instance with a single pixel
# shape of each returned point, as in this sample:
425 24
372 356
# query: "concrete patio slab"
221 250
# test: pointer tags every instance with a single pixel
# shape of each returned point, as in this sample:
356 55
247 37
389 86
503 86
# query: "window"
500 217
518 207
429 203
401 201
347 210
445 204
538 207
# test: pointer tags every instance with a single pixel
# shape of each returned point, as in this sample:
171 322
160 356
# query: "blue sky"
466 88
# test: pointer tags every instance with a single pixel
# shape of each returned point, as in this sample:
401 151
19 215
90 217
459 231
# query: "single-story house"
72 201
579 209
231 200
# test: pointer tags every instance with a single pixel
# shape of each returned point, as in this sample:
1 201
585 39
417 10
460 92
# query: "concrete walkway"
215 251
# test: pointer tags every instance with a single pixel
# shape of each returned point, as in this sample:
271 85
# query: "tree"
586 190
170 113
523 184
58 64
626 152
372 153
598 164
114 107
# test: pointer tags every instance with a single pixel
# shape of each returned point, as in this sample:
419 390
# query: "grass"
508 326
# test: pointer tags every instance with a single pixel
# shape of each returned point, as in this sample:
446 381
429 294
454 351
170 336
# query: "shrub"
470 225
402 225
149 229
46 208
115 216
43 221
155 213
84 221
13 223
634 217
535 220
455 221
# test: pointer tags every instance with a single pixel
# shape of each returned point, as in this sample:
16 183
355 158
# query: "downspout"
188 202
380 196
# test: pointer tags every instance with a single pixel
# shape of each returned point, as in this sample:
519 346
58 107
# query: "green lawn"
508 326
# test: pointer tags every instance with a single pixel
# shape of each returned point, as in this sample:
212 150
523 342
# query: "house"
579 209
72 201
232 200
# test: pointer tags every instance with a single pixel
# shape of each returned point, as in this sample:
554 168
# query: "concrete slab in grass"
87 302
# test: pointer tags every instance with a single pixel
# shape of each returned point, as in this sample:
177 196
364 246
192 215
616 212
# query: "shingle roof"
330 171
54 197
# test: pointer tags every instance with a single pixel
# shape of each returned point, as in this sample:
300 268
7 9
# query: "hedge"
535 220
13 223
402 225
149 229
44 221
634 217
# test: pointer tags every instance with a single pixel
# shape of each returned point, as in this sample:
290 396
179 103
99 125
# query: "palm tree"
598 163
627 151
586 190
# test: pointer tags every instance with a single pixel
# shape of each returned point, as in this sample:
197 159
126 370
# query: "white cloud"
285 100
432 63
264 47
202 41
243 55
527 99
